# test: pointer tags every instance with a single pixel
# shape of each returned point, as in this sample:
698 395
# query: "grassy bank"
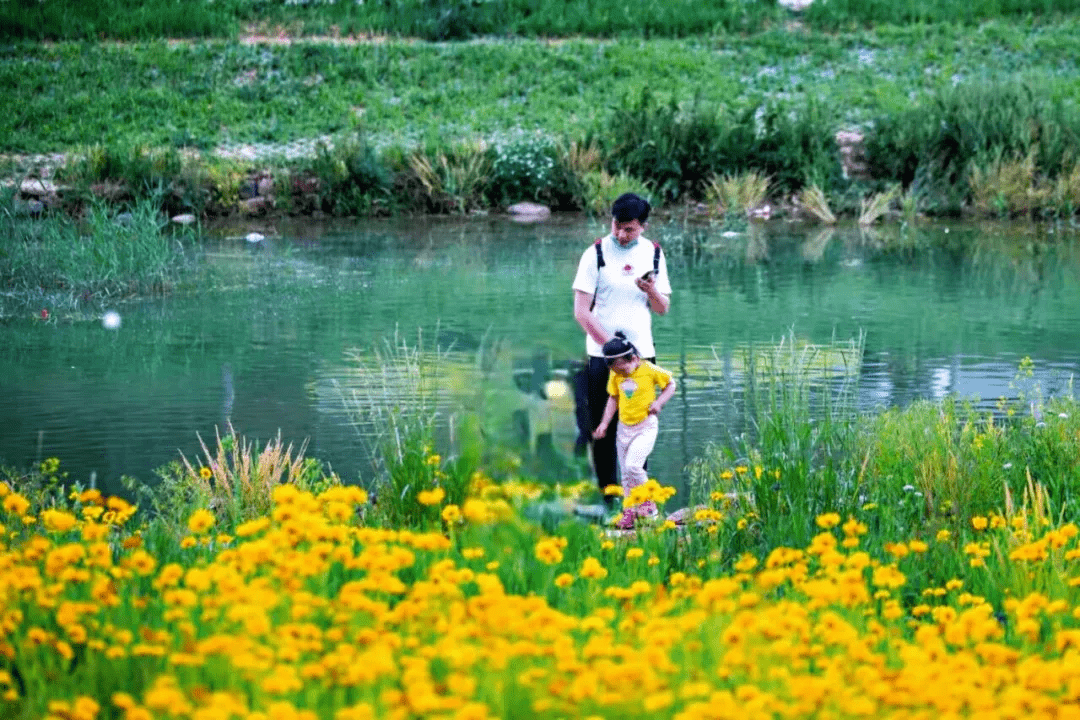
458 19
263 587
417 127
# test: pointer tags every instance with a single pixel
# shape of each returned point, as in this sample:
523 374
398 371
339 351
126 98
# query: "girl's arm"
609 413
661 400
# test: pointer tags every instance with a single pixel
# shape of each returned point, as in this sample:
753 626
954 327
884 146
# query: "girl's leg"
634 443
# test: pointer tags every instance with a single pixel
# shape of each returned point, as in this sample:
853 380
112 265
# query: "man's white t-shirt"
620 305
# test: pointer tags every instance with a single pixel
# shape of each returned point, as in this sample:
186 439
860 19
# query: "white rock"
110 320
186 219
254 237
529 212
37 188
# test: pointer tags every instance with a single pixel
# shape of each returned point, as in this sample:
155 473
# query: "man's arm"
587 320
659 303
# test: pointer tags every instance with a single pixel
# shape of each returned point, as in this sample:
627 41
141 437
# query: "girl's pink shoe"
626 522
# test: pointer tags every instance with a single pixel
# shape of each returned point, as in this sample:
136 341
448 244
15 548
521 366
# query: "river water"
293 334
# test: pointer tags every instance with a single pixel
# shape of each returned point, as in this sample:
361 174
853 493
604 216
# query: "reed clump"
238 480
109 253
1009 187
813 200
737 193
872 208
453 179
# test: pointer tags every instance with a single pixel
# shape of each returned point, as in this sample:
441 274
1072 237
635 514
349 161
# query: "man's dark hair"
629 206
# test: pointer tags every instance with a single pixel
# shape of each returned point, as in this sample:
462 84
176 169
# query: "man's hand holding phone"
646 281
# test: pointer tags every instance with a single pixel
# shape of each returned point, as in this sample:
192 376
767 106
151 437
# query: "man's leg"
582 415
604 461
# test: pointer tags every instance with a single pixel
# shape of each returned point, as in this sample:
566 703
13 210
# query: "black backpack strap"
599 264
655 256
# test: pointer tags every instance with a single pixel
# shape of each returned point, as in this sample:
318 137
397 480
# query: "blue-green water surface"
282 336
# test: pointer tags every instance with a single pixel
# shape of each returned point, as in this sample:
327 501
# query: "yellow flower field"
308 613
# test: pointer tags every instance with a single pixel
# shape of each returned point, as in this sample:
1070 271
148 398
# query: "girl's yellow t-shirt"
637 390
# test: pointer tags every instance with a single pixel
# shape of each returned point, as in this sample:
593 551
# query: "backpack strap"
655 256
599 264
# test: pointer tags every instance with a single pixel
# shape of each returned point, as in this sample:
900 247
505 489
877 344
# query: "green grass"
109 254
460 19
207 93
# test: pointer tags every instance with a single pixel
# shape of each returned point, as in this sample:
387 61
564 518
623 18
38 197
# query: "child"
632 390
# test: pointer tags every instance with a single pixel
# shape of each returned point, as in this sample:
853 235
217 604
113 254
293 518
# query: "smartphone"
649 275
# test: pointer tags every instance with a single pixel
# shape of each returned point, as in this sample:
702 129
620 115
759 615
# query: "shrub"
934 145
523 167
674 149
135 171
353 180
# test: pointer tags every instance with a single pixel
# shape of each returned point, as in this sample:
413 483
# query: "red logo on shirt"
628 270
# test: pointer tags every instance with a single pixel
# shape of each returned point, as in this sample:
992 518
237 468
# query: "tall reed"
106 255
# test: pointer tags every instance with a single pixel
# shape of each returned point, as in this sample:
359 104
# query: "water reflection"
277 338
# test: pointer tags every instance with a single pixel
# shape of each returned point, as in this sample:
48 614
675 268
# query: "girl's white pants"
633 444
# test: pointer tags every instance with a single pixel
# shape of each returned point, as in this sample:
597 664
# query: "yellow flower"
592 569
16 504
564 580
828 520
634 552
943 535
205 473
451 514
200 521
979 523
613 490
431 497
58 520
548 551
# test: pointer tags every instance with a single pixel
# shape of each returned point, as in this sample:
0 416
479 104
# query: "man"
621 281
